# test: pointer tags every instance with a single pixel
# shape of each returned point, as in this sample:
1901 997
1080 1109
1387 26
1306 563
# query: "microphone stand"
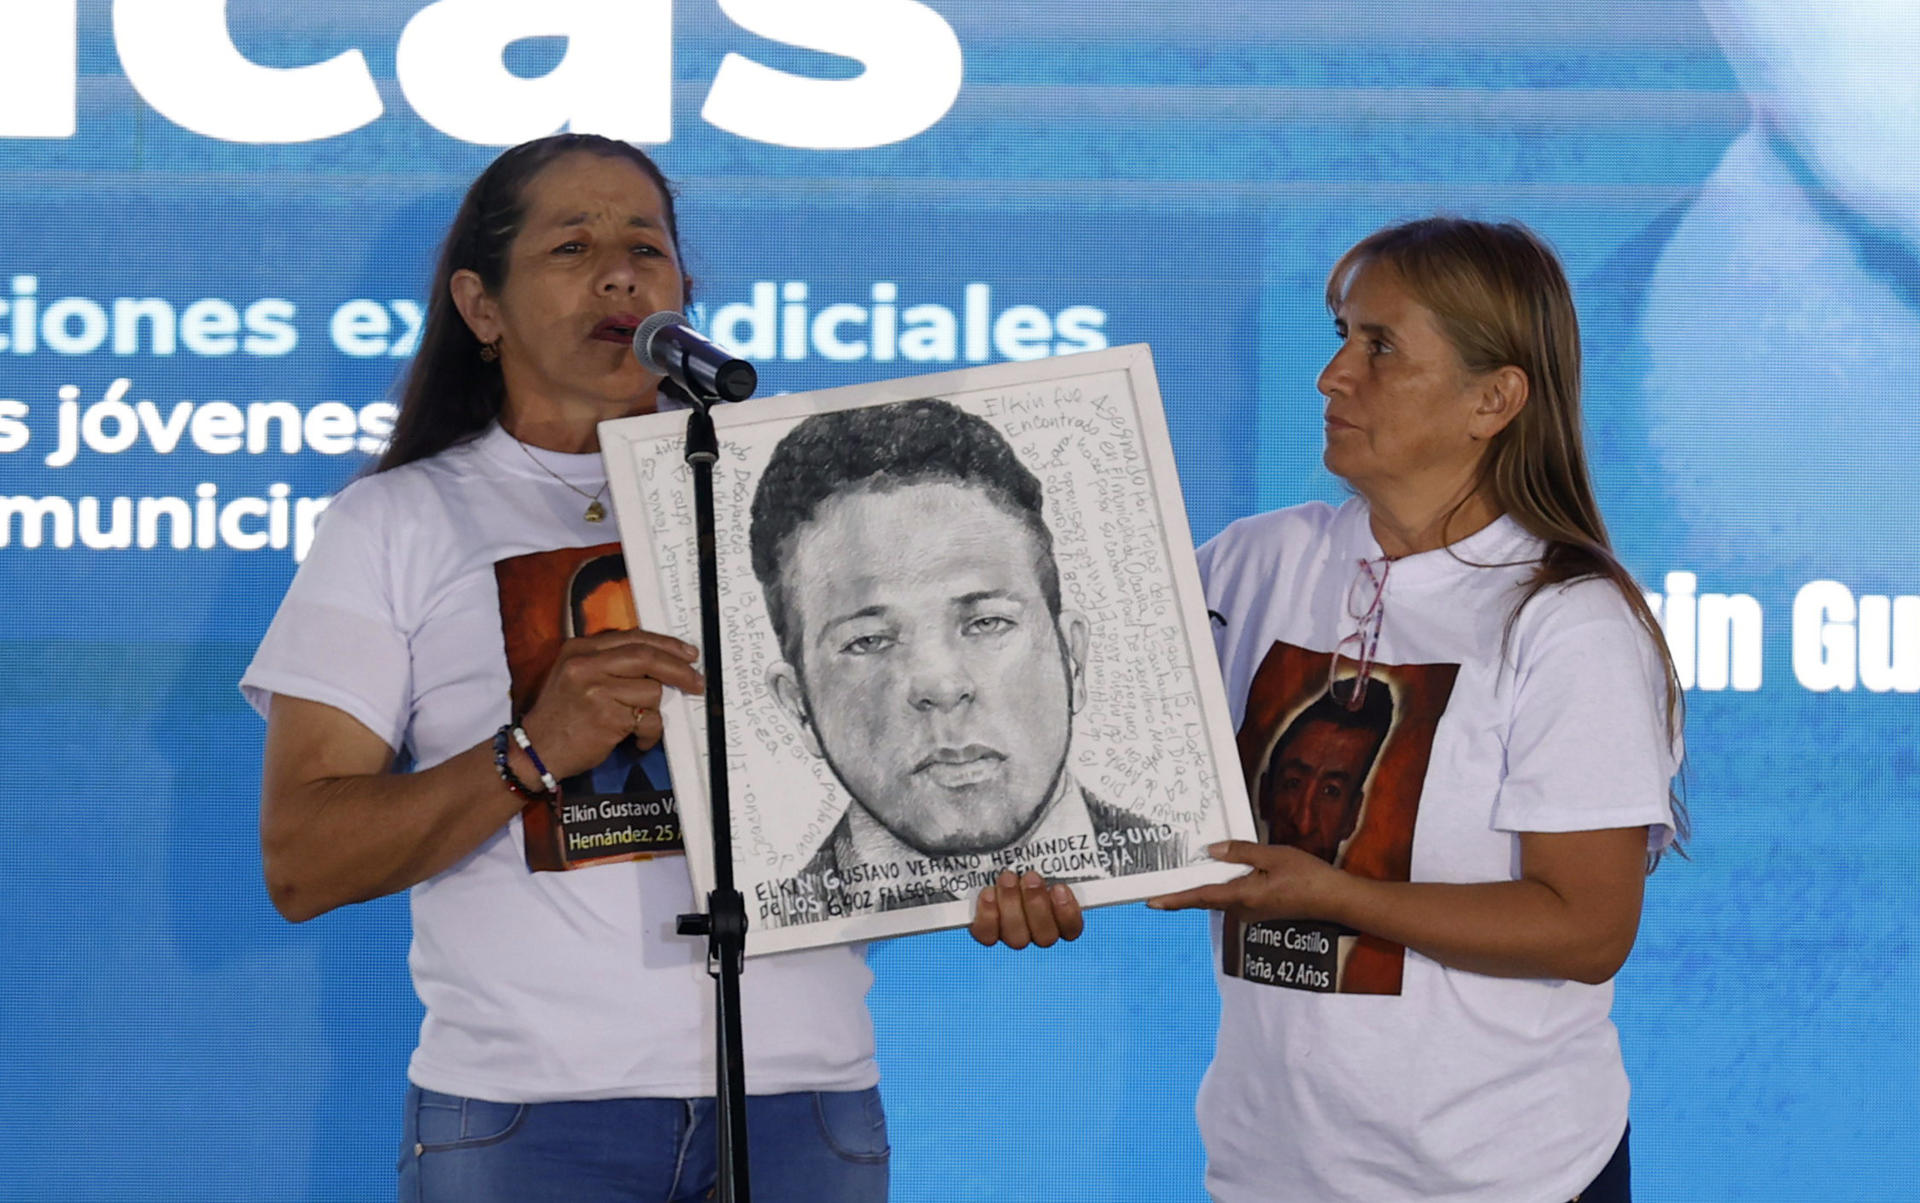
724 923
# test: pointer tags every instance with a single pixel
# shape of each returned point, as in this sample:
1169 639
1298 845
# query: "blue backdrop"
212 254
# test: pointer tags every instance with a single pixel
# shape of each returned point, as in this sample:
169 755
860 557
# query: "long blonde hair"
1502 299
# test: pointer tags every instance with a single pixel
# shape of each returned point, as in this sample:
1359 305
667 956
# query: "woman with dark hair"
1429 1018
567 1048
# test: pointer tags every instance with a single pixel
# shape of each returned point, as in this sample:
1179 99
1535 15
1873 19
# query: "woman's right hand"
336 826
1018 910
603 688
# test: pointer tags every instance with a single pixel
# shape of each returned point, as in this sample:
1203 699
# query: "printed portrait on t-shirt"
1334 765
622 808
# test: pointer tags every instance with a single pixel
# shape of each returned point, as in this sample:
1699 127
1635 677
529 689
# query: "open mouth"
617 329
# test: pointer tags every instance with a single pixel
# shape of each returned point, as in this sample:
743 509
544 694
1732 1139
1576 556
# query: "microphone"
666 344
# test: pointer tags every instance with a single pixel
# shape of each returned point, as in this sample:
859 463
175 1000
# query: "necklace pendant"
595 511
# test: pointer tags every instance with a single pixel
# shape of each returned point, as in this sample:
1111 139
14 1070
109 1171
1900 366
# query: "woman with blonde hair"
1416 1006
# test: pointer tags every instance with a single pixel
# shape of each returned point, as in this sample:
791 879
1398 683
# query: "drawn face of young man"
1311 795
934 680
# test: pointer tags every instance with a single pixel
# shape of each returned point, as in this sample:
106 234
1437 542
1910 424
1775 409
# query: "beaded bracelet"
518 735
526 745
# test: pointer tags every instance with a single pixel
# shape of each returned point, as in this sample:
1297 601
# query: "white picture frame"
1149 752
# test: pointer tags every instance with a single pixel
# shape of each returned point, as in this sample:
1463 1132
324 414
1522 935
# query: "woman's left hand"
1285 883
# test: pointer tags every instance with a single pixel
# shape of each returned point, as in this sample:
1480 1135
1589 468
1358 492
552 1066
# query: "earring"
490 352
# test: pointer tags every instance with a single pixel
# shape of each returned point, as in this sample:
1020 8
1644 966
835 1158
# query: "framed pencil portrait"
962 632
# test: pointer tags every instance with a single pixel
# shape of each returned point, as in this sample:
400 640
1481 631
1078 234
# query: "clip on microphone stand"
724 922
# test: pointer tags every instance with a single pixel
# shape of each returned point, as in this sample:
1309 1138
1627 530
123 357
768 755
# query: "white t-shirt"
1436 1083
538 986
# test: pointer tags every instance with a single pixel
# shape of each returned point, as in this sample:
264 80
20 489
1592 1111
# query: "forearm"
1501 928
338 840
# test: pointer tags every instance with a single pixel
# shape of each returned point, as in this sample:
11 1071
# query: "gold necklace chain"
595 511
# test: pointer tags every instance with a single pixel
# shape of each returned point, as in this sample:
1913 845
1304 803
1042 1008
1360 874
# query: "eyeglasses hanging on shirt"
1367 608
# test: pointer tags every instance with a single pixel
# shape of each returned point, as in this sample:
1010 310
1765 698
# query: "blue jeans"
1614 1185
826 1147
